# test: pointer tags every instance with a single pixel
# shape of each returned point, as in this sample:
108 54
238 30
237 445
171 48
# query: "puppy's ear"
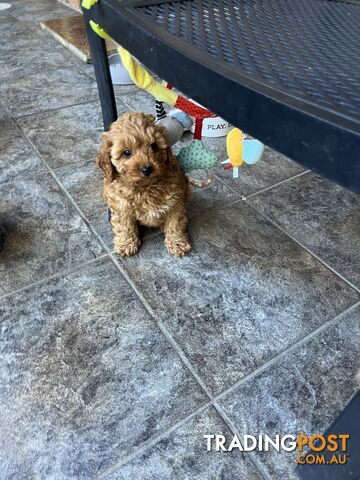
170 157
148 119
103 159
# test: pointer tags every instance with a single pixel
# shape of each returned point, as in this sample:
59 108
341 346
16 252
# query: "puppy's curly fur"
143 184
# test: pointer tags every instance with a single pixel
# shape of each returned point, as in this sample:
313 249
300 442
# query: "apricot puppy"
143 184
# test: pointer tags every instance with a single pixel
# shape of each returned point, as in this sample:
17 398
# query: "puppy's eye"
154 147
127 153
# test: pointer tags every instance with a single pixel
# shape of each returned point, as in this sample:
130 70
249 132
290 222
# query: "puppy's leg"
176 236
126 233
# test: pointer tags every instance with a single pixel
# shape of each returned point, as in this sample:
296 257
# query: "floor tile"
139 101
4 115
212 196
18 36
302 394
39 10
66 135
7 20
84 183
87 374
48 89
183 455
16 154
245 293
86 67
272 168
19 64
322 216
121 90
89 69
44 233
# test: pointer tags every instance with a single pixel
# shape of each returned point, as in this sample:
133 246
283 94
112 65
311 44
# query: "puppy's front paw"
126 246
177 246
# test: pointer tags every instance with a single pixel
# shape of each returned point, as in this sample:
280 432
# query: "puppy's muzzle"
146 170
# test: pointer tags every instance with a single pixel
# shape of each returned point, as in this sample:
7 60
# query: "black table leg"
102 73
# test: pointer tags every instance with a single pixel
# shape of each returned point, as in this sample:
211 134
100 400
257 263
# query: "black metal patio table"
285 71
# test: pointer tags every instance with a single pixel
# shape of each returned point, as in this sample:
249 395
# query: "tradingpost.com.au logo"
318 444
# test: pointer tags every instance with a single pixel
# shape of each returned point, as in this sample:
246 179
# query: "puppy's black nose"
146 170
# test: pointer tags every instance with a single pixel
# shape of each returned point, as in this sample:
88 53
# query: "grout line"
150 235
253 459
244 197
75 163
162 327
219 179
304 247
69 271
289 350
67 194
96 100
277 184
150 442
227 187
128 106
226 205
183 357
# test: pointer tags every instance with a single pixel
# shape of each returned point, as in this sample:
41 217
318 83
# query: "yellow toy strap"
143 80
88 3
100 31
137 73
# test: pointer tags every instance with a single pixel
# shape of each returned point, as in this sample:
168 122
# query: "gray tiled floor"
38 10
65 135
302 393
116 368
45 234
81 363
172 456
320 215
16 155
235 303
48 89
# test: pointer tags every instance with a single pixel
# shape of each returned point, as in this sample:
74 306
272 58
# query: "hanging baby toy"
195 156
240 150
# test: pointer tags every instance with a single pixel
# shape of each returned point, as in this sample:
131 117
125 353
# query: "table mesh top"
309 48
